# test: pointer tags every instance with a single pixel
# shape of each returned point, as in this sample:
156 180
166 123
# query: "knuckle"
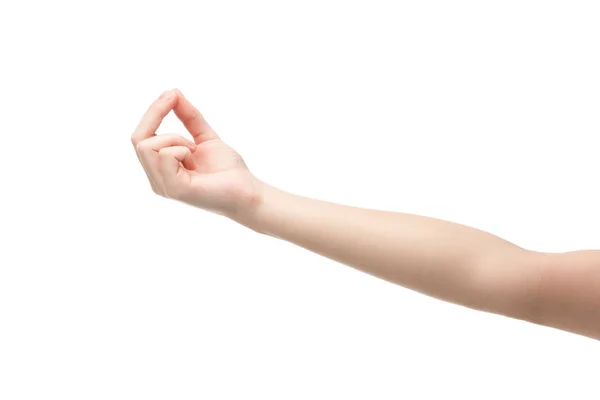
142 146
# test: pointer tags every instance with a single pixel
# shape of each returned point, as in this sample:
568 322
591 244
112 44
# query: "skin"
438 258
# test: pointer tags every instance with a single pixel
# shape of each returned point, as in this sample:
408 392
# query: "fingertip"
170 95
167 95
189 162
163 94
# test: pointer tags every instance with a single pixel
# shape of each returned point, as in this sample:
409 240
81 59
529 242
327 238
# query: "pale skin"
438 258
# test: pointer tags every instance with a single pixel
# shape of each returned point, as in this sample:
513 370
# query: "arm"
441 259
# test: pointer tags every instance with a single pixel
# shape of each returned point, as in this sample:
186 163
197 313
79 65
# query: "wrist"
250 205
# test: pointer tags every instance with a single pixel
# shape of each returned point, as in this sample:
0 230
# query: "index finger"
153 117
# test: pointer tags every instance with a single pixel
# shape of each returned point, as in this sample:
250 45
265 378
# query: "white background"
483 113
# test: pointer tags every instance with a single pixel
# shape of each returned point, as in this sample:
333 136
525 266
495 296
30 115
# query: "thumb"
193 120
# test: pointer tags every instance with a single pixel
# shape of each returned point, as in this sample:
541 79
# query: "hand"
205 173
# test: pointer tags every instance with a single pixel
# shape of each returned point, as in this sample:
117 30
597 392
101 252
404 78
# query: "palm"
214 157
221 179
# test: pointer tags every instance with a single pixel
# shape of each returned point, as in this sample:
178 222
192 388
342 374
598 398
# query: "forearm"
445 260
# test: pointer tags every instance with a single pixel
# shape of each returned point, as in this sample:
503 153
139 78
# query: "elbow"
568 294
558 290
509 283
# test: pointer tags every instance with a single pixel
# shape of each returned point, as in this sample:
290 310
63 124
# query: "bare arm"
441 259
569 292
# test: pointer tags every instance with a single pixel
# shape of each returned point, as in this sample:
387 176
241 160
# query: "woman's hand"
205 173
